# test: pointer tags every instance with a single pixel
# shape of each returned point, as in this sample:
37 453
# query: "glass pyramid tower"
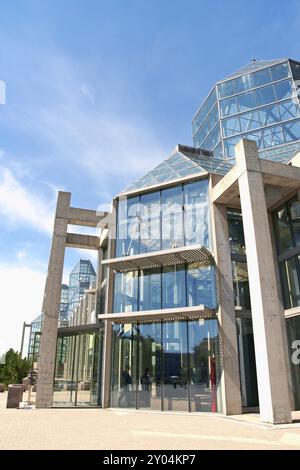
260 101
184 161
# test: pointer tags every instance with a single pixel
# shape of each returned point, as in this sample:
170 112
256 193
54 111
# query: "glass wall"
77 379
293 330
172 366
168 287
287 234
264 101
164 219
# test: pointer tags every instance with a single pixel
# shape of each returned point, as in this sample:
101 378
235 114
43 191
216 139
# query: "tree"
14 369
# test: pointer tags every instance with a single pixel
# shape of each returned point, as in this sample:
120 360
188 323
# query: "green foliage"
14 369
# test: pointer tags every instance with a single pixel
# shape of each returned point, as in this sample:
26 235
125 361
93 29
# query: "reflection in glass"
283 230
293 328
284 89
242 83
280 71
236 233
172 217
201 285
290 282
265 95
150 289
261 77
246 101
150 222
226 89
173 286
126 292
196 219
128 226
241 285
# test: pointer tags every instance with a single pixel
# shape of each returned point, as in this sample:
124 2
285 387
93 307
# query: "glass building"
260 102
196 305
82 277
34 338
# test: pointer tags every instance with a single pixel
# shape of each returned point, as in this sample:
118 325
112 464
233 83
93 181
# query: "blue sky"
98 92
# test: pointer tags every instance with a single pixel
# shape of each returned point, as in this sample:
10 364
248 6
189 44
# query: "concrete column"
267 311
230 378
51 304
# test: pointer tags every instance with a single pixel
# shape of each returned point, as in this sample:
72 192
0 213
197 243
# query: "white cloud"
21 298
21 207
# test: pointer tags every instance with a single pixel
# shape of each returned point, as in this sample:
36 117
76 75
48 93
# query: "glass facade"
77 380
81 278
287 233
260 103
35 338
168 287
171 366
163 219
293 330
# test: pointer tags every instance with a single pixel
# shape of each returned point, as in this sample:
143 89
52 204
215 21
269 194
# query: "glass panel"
283 230
228 106
213 138
242 83
284 89
149 366
204 110
84 371
229 146
175 364
257 136
128 226
295 218
150 222
272 136
64 379
265 95
241 285
204 362
247 362
280 71
292 131
293 329
124 373
201 285
225 89
150 289
173 286
290 282
261 77
269 114
289 109
172 218
196 218
236 233
126 292
249 121
246 101
231 126
96 378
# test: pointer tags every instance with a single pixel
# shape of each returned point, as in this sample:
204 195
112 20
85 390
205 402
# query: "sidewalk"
116 429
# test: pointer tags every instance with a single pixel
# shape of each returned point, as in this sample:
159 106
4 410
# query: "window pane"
292 131
283 230
290 280
150 222
262 77
249 121
280 71
269 114
272 136
265 95
128 226
228 106
246 101
213 139
241 285
256 136
231 126
242 83
229 146
196 218
175 361
283 89
150 289
126 292
173 286
236 233
289 110
204 362
204 110
225 89
295 217
293 328
201 286
172 218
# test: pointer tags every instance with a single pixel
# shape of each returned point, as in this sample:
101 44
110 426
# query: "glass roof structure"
260 102
184 161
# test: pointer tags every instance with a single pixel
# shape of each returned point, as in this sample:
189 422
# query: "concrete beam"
267 312
86 217
76 240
